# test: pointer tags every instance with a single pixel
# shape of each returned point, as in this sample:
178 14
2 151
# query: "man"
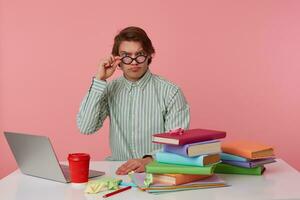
139 104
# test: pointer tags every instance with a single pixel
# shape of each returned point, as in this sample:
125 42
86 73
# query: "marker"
117 191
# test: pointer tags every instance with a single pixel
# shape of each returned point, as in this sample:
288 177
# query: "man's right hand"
107 67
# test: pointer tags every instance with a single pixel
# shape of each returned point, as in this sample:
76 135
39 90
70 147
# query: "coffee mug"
79 167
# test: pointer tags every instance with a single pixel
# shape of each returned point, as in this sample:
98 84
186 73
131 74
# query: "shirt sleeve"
178 112
94 108
177 115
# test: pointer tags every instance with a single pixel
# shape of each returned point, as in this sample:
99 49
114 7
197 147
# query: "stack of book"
245 157
187 161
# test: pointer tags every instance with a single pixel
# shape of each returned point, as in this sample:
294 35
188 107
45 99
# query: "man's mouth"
135 69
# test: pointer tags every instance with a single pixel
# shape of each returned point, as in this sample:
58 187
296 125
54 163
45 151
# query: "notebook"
163 168
248 149
181 137
195 149
172 158
177 179
210 182
224 168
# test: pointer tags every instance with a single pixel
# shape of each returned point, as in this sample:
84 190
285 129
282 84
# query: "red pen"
117 191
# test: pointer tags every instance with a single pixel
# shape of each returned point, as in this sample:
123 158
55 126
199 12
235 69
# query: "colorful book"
250 164
248 149
163 168
177 179
171 158
227 156
223 168
210 182
195 149
182 137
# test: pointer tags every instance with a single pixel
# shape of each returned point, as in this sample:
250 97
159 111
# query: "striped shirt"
136 110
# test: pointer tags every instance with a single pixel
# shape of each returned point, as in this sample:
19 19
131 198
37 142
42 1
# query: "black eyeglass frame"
132 59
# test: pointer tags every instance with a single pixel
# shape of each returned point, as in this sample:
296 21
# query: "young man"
139 104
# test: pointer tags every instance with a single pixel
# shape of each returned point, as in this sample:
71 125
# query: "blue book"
171 158
250 164
227 156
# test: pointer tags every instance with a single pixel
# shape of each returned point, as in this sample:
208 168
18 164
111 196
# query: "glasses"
128 60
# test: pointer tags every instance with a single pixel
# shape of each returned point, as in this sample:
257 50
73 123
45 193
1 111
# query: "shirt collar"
141 83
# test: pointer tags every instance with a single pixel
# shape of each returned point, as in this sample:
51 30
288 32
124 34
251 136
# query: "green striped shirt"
136 110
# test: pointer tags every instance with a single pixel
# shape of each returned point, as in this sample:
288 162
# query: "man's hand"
136 165
107 67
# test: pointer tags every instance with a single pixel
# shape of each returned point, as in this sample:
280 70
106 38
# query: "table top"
280 181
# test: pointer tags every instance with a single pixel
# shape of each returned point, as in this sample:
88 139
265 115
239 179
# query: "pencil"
117 191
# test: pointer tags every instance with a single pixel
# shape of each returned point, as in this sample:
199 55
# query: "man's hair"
135 34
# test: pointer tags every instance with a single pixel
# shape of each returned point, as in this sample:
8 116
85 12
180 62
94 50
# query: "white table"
280 181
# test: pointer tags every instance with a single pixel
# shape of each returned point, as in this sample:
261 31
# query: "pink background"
236 61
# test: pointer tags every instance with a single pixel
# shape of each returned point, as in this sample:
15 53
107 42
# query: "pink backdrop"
236 61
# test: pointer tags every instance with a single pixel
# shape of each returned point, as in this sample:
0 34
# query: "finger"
111 58
120 170
124 166
106 64
117 57
125 170
116 63
140 169
129 167
132 167
120 173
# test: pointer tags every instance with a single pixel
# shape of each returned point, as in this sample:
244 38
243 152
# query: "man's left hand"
136 165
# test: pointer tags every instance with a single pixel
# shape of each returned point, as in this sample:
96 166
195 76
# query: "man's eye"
140 54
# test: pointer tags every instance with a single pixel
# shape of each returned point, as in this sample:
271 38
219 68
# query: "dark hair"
136 34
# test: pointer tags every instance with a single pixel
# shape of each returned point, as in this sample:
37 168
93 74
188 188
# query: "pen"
117 191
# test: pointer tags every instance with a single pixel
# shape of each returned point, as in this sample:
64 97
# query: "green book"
164 168
223 168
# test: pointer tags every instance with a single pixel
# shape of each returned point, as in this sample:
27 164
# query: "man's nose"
134 62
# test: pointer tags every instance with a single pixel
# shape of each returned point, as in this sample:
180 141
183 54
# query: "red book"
181 137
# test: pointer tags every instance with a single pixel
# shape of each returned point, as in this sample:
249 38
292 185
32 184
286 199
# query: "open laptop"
35 156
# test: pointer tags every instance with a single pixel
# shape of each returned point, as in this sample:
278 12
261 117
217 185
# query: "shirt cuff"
98 85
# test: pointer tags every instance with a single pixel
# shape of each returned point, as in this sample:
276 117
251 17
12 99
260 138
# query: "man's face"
133 71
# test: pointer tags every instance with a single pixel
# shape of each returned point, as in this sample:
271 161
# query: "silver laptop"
35 156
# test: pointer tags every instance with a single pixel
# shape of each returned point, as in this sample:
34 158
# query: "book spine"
238 163
227 156
179 170
223 168
188 140
237 152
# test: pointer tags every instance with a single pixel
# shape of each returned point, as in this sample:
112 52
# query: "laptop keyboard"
92 173
65 170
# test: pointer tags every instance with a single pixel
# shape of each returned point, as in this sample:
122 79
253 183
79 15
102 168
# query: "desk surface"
280 181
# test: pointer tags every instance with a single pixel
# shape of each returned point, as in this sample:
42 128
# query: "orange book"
247 149
177 179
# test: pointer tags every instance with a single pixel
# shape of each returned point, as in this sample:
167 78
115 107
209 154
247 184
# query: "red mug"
79 167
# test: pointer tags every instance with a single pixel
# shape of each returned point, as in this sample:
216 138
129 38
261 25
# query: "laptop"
35 157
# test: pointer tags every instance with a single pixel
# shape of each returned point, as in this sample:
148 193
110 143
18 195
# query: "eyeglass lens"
128 60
